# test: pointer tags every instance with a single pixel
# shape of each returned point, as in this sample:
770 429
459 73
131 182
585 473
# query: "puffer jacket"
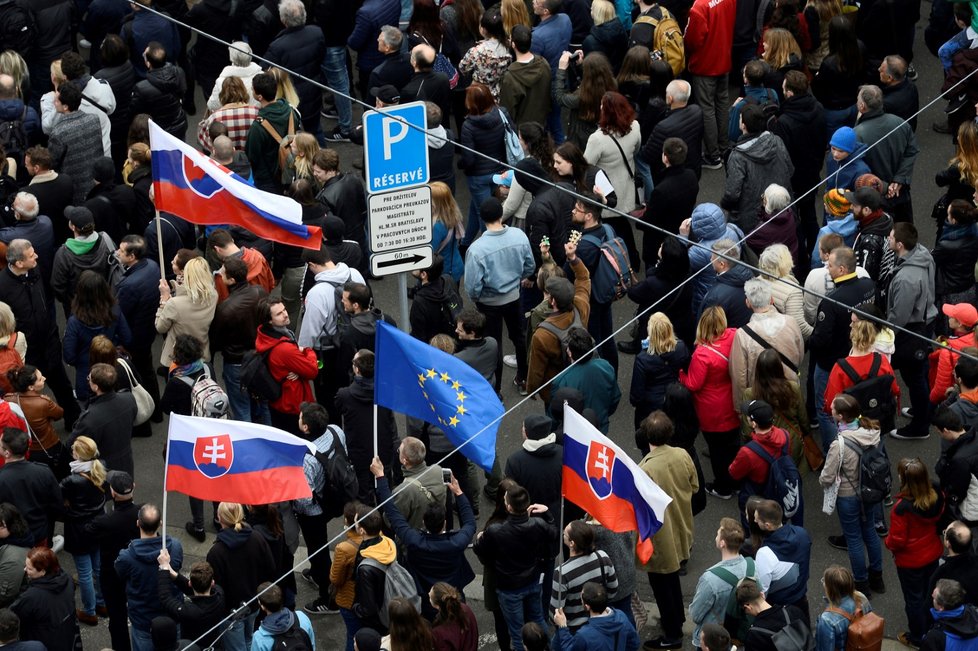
549 214
483 133
707 226
728 293
83 502
850 460
610 39
161 95
955 256
708 378
755 162
942 361
650 377
913 535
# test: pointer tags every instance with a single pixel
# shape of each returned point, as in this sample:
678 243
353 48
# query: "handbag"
144 401
514 149
831 494
813 451
442 63
640 210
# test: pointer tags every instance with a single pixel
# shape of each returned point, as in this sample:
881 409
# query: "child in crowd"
843 163
838 219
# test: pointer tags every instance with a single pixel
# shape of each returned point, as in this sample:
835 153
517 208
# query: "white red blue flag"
192 186
234 461
601 479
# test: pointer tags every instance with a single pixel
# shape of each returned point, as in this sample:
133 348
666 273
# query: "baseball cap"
79 216
506 178
121 482
367 639
866 197
760 412
537 426
963 312
387 94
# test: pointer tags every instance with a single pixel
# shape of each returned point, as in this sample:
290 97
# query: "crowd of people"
774 328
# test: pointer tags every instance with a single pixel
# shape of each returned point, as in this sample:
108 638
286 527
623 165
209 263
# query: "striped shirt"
569 580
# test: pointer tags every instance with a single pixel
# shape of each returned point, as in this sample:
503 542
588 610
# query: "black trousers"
668 595
114 593
723 448
512 316
313 528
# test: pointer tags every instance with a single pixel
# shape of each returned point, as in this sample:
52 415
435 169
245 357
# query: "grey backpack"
398 582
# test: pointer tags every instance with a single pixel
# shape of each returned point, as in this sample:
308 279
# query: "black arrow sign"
398 262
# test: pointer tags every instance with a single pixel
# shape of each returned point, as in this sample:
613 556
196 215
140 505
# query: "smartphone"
446 475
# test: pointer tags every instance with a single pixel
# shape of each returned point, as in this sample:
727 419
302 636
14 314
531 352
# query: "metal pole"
402 298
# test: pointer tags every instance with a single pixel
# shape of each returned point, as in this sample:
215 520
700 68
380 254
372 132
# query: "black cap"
367 639
866 197
79 216
537 427
760 412
121 482
387 94
103 170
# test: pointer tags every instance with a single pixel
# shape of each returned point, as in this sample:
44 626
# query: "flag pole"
166 470
159 243
560 552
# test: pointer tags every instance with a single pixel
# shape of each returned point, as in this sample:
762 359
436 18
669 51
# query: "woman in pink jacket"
708 379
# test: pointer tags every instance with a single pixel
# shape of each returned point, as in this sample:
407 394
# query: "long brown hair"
408 631
93 302
915 483
771 385
446 598
966 156
596 80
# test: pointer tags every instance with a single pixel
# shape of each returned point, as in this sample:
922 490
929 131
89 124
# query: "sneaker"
57 544
520 386
509 360
85 43
307 575
717 494
881 529
911 73
814 425
85 618
197 534
839 542
907 434
907 412
330 113
662 643
904 639
319 607
713 163
337 136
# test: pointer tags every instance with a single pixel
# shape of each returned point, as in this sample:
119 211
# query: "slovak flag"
199 189
234 461
601 479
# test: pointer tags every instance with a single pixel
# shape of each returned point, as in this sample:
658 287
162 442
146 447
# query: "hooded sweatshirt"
525 90
756 162
911 292
241 560
954 630
610 631
137 567
278 623
850 460
321 306
78 255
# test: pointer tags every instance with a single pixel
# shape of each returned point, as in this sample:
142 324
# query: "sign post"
396 166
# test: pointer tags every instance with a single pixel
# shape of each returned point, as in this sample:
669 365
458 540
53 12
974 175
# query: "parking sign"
396 154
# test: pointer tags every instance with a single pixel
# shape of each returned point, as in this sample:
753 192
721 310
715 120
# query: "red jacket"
942 363
839 381
750 466
708 379
709 37
913 537
286 358
259 273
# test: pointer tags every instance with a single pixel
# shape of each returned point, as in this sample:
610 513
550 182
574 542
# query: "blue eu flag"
419 380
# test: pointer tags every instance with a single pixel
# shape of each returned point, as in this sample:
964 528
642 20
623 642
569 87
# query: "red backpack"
9 360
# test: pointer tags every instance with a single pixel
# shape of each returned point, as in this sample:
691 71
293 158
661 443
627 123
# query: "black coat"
685 123
196 615
41 234
801 125
539 473
84 501
430 86
955 261
241 562
46 610
32 488
428 309
902 101
161 95
483 133
673 199
963 568
356 404
346 198
178 234
111 206
516 547
213 17
395 70
835 89
138 293
678 306
141 179
610 39
301 49
122 79
108 422
114 530
957 470
830 339
25 296
650 377
235 323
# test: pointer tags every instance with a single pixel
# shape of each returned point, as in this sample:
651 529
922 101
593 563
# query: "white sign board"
392 262
400 219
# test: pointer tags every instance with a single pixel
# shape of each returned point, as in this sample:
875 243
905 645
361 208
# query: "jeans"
555 124
518 607
480 189
712 96
723 448
243 406
291 285
861 537
89 566
916 599
644 172
352 626
238 637
142 640
337 77
511 314
826 426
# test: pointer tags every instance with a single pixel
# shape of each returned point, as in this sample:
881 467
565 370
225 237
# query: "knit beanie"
836 203
871 181
844 138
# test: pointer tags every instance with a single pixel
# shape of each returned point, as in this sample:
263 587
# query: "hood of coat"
532 166
761 149
918 257
708 222
438 137
278 623
382 551
235 539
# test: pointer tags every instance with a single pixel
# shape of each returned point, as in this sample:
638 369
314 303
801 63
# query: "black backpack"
451 307
875 477
874 393
340 483
294 639
562 333
256 378
17 29
13 136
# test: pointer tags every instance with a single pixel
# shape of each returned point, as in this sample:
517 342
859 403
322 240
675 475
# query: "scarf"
531 445
79 467
187 369
953 232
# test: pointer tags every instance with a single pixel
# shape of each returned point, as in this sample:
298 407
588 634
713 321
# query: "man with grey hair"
21 288
767 329
427 84
395 69
241 67
891 149
728 291
34 227
900 96
422 485
683 121
300 48
954 620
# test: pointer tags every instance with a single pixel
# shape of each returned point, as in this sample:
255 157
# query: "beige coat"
180 316
778 330
672 469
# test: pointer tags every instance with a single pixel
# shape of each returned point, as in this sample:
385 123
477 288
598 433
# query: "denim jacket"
832 628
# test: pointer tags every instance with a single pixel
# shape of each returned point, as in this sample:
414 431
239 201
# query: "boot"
633 347
876 582
863 587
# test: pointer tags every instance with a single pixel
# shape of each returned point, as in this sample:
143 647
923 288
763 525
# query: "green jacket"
261 148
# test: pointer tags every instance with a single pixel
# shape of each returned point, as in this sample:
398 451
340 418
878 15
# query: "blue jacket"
78 340
495 264
844 226
453 259
551 38
708 225
832 629
138 568
13 109
609 633
790 544
138 293
373 15
272 625
761 94
144 28
845 179
953 630
728 293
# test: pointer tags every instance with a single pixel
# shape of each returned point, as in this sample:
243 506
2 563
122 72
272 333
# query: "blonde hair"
514 13
712 325
285 87
780 46
602 11
863 335
231 515
85 449
966 156
444 343
444 208
8 322
14 65
662 337
199 281
776 261
306 148
56 75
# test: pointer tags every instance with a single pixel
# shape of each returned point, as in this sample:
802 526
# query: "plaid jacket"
237 118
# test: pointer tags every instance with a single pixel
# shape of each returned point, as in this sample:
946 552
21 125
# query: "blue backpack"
783 481
613 274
